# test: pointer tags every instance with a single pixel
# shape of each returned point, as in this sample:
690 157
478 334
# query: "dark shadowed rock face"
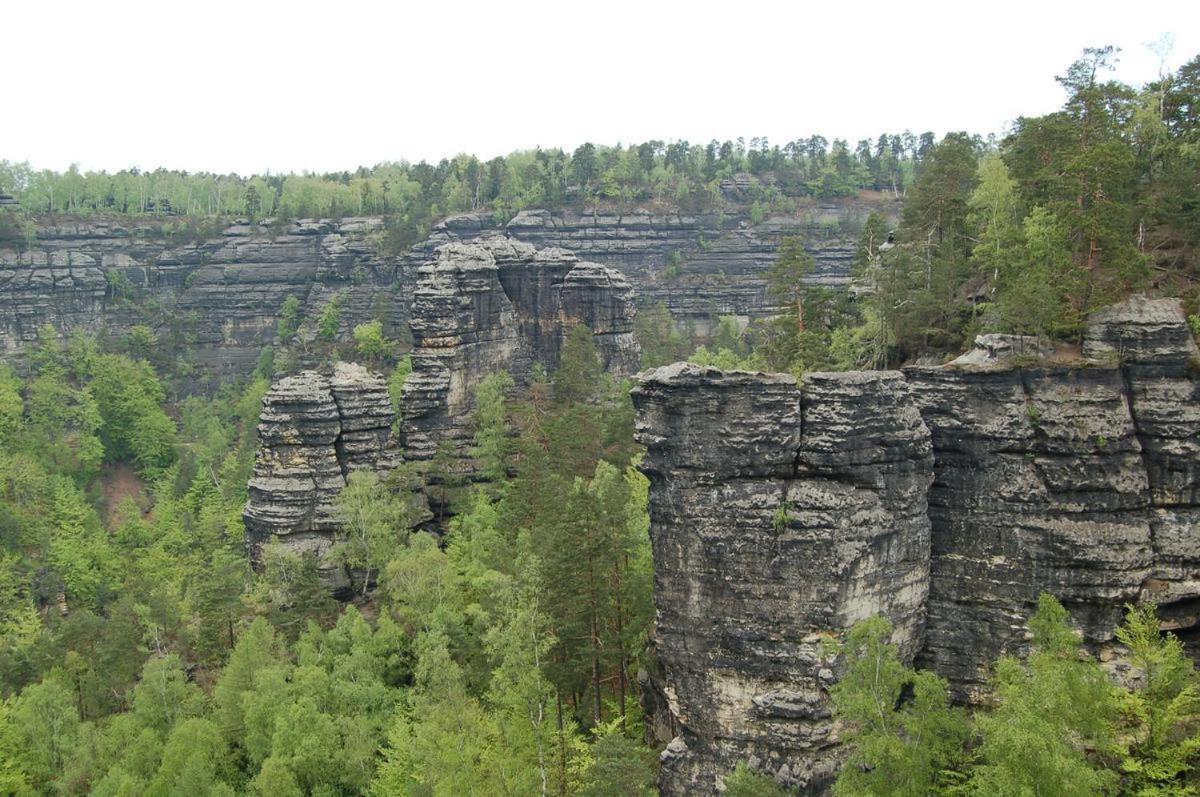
780 515
221 295
315 429
498 305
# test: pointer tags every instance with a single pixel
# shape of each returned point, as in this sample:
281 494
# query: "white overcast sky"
252 86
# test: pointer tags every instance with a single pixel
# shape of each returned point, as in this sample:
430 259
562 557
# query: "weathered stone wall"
1039 486
719 258
498 305
219 297
779 516
1078 479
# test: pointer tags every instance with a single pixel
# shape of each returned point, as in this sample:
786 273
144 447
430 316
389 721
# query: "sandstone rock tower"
315 429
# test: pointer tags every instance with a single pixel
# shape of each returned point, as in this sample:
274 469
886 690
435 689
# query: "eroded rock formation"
1078 479
219 291
218 298
498 305
315 429
699 265
779 516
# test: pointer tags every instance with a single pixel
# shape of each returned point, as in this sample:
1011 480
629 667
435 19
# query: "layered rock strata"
217 298
1160 364
316 429
1078 479
1040 487
498 305
780 516
699 265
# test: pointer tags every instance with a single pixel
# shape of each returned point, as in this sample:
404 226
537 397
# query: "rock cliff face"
1039 486
498 305
699 265
1077 479
218 297
315 430
780 516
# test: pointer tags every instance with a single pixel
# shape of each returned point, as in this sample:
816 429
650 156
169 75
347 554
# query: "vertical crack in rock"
314 431
947 499
769 543
1039 487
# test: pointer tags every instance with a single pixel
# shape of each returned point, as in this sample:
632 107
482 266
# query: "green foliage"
1054 726
658 336
620 767
745 782
905 735
490 421
289 319
135 428
579 374
329 320
376 515
1162 712
370 340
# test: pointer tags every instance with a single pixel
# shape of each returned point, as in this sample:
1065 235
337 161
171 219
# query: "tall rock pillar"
780 515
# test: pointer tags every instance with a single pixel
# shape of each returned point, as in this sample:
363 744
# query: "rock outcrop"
699 265
1160 364
1039 487
316 429
498 305
782 513
779 516
215 295
216 299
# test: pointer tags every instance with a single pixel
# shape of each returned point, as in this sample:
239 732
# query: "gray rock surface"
1160 362
720 257
315 429
947 499
780 515
219 297
221 292
499 305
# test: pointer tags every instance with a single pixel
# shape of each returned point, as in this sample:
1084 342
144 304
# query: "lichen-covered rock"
315 429
499 305
780 515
